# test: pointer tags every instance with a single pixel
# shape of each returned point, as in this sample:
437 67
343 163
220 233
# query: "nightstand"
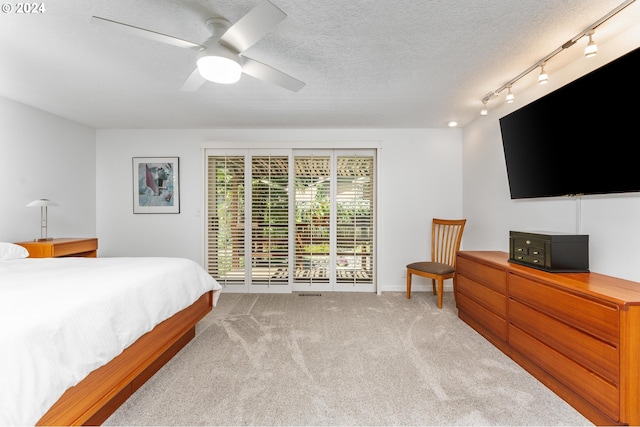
63 247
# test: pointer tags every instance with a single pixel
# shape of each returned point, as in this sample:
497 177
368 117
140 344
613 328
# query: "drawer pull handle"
519 249
536 252
535 261
528 242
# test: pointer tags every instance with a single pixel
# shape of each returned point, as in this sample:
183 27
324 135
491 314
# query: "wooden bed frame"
98 396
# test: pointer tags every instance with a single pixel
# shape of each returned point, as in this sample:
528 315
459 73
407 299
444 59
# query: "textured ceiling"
366 63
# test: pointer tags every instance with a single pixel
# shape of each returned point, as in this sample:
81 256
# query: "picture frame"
156 185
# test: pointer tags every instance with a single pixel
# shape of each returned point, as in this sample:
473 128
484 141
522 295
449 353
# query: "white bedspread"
61 318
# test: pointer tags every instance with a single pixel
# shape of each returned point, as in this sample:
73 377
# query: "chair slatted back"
446 235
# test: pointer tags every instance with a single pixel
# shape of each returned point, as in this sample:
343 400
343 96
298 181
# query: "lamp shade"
41 202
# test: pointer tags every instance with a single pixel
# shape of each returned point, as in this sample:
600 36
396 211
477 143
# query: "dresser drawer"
489 276
600 393
597 318
482 294
487 319
80 247
592 353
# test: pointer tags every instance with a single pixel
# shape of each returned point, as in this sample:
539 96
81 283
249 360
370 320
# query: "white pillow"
12 251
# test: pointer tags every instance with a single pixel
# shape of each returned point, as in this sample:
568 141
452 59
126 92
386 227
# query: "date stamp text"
22 8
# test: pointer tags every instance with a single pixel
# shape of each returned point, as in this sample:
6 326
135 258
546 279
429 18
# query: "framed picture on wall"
156 186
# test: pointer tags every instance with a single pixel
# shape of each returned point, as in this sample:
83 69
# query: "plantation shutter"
313 215
225 219
270 220
276 229
354 211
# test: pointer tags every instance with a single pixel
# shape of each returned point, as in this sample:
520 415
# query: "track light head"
543 78
592 48
509 98
484 111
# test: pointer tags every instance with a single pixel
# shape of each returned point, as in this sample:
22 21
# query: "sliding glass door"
334 211
291 220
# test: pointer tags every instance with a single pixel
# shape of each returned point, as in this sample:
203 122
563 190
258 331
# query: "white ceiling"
366 63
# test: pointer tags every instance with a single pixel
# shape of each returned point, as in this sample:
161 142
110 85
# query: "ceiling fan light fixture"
219 65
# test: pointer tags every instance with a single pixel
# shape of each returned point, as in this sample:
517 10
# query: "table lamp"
42 204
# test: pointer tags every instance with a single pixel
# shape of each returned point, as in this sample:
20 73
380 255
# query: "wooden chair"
446 235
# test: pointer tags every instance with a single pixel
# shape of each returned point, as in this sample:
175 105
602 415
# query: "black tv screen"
579 139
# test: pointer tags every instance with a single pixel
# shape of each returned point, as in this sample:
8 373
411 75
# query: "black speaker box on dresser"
550 251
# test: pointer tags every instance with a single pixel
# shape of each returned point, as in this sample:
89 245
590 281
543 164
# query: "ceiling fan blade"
193 82
148 33
252 26
264 72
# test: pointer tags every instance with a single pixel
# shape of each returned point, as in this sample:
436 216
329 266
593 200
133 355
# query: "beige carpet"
341 359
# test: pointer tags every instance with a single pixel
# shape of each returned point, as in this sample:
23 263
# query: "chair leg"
440 292
408 285
433 285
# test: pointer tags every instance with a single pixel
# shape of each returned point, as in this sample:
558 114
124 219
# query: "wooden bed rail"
98 396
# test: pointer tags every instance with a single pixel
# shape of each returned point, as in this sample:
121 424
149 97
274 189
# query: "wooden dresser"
578 333
62 247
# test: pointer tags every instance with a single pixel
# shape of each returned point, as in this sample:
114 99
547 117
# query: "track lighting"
510 96
592 47
590 50
543 77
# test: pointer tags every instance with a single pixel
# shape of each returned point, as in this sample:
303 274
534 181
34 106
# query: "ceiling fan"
220 57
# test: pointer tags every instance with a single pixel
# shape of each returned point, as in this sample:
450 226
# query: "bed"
80 335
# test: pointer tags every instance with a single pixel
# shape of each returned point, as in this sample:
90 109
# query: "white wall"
89 173
611 221
419 178
45 156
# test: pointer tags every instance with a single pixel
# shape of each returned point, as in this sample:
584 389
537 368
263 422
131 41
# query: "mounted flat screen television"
579 139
